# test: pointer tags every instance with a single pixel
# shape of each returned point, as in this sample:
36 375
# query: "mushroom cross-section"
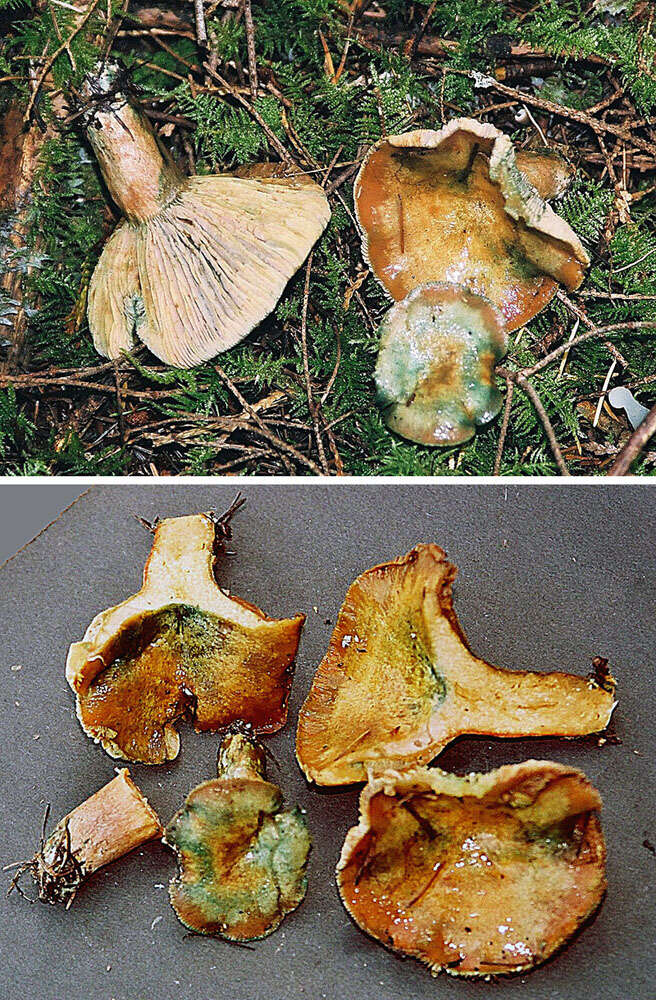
435 371
483 875
197 262
399 681
180 644
454 206
242 857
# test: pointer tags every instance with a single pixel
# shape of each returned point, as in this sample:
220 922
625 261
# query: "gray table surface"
549 576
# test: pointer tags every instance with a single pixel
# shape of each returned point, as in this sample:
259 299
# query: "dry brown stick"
613 296
119 406
596 124
261 426
253 112
250 46
312 406
510 386
421 30
201 28
28 382
526 386
585 319
594 333
66 43
634 445
433 46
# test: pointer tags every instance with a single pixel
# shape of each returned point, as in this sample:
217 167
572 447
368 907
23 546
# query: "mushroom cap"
487 874
399 681
452 205
180 644
242 858
435 372
546 169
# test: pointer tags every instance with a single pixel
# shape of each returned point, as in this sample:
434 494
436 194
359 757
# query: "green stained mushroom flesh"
181 645
399 681
460 205
242 857
435 372
482 875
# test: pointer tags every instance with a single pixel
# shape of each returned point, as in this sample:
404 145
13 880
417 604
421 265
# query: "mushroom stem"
240 756
523 703
139 173
110 823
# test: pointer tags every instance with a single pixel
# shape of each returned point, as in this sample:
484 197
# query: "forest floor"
319 81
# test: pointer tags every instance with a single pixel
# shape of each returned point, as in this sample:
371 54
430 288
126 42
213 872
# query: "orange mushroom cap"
453 206
487 874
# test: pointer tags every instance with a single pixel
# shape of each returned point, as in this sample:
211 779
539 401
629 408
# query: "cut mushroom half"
435 372
180 645
482 875
197 262
454 206
242 857
399 681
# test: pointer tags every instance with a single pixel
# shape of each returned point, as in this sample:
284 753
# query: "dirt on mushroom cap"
483 875
399 681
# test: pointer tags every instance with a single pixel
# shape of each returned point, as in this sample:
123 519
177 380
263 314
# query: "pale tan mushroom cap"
452 205
196 278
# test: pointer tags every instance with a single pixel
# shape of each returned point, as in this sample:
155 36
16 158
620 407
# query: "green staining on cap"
435 372
242 857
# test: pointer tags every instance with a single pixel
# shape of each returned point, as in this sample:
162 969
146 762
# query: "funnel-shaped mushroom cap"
482 875
399 681
180 644
199 261
453 206
242 857
435 372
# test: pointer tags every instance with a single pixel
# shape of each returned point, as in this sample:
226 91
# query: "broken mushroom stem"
109 824
241 755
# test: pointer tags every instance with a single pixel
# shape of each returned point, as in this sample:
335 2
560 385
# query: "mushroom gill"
399 681
242 857
482 875
454 206
180 645
197 262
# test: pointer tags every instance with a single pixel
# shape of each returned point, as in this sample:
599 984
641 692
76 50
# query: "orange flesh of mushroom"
180 644
399 681
430 211
483 875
